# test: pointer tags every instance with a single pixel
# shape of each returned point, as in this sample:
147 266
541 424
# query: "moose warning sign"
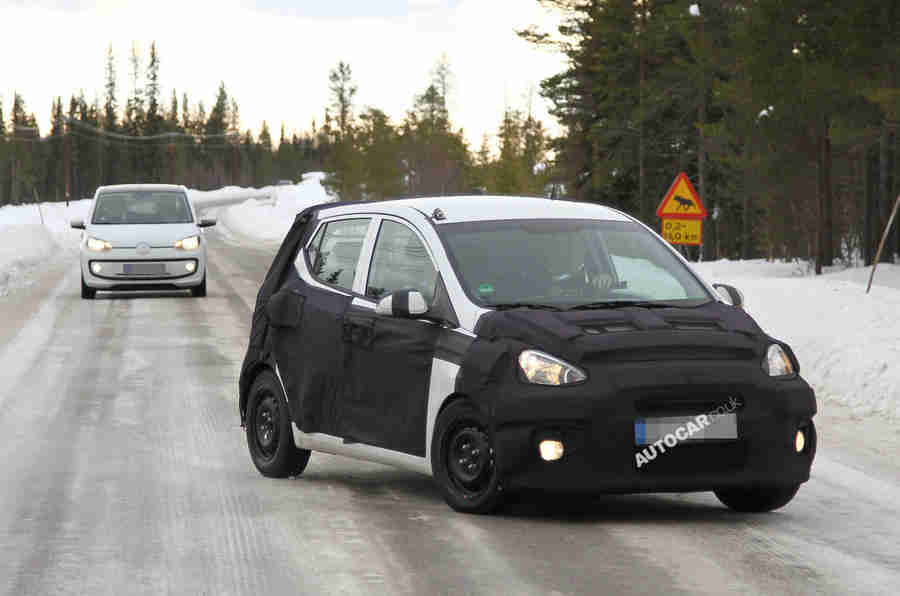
682 213
682 201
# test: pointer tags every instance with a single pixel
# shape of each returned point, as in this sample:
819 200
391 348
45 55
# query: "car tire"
757 499
87 293
268 427
199 291
463 460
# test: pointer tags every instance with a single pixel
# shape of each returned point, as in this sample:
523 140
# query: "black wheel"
757 499
86 292
269 435
463 460
200 290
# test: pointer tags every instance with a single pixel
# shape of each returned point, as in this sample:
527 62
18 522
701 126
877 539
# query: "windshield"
567 263
142 207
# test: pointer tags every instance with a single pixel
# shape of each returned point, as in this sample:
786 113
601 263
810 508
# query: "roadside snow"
267 213
847 342
33 234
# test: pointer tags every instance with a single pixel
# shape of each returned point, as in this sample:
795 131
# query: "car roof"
133 187
460 209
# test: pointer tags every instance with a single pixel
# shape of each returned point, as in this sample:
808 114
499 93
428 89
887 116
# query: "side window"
400 262
334 252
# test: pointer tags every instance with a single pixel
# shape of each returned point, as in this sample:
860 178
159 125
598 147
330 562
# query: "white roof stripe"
485 208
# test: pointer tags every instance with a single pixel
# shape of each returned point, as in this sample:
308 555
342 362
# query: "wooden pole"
884 236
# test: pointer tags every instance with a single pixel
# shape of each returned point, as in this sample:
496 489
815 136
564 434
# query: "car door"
307 319
389 359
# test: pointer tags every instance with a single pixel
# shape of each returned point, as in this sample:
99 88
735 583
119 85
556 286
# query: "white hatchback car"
142 237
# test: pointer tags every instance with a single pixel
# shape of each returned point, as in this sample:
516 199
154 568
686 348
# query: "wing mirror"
206 222
78 224
406 304
731 294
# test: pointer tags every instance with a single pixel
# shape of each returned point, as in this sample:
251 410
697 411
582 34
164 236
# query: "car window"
334 252
566 263
142 207
400 262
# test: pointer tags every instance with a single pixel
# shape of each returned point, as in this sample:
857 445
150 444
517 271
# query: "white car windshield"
142 207
568 264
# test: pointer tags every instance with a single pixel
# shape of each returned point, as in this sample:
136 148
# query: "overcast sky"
274 55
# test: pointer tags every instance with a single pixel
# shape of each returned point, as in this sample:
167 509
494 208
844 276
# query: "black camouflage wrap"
353 374
640 363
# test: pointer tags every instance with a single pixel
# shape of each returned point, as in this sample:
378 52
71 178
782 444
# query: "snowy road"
125 471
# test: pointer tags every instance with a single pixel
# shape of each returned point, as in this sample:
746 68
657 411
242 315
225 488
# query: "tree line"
366 155
142 139
783 113
371 158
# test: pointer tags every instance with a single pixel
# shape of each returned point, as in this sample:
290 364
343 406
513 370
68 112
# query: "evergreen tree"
344 177
112 149
153 124
379 146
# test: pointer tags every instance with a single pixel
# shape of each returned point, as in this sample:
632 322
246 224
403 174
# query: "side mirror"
732 295
406 304
78 224
206 223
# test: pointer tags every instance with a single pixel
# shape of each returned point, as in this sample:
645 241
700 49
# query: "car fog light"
551 450
190 266
96 267
800 441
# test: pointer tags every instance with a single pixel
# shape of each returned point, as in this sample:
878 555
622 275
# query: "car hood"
154 235
713 330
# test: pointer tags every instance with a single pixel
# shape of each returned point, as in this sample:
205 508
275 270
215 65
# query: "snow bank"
848 343
267 213
31 235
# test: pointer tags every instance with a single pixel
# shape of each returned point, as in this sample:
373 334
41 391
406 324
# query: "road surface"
125 471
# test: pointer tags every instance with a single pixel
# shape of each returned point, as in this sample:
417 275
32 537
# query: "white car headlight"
544 369
189 243
777 363
98 245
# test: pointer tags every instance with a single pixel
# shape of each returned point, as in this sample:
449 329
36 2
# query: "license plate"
144 268
685 428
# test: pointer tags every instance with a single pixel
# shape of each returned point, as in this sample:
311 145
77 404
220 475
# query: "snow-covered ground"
264 214
847 342
31 234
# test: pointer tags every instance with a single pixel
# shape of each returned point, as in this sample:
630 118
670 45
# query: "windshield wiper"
533 305
624 303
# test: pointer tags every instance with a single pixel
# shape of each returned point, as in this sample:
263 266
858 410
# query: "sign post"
682 213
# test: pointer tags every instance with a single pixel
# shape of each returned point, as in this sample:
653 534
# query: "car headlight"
98 245
544 369
189 243
777 363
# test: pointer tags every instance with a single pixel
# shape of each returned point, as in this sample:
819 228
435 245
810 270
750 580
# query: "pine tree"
344 171
112 149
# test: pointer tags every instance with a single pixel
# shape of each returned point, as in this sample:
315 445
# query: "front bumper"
597 429
117 265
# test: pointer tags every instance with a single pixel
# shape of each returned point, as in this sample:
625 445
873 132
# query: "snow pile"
847 342
32 234
269 214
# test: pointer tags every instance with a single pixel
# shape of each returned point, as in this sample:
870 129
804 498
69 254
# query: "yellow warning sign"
683 231
682 201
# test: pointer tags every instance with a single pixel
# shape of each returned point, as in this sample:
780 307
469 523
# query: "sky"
275 55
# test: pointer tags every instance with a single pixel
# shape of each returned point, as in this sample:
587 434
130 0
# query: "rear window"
334 252
142 207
